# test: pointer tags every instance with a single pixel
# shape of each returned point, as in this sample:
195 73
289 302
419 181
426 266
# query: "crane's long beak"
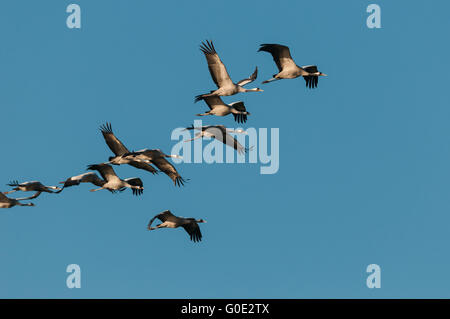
323 74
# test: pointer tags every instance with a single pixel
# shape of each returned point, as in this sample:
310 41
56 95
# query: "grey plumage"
119 149
219 108
158 158
6 202
220 76
33 186
287 67
169 220
220 132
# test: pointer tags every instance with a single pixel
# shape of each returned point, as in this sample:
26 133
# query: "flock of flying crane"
145 158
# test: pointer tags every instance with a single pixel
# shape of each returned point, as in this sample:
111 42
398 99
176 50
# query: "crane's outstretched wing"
105 170
164 216
231 141
168 169
155 157
193 230
311 80
89 177
144 166
13 183
217 69
113 142
136 181
280 54
239 117
200 128
214 101
31 197
250 79
3 198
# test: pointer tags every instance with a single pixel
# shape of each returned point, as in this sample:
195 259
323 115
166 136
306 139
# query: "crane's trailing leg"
198 135
203 114
157 226
270 80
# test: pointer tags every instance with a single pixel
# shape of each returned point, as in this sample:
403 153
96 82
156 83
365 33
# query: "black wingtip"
198 98
137 192
240 118
196 238
245 150
106 128
13 183
180 181
263 47
207 47
255 74
91 167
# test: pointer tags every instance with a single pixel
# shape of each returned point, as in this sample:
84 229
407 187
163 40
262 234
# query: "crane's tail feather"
270 80
203 114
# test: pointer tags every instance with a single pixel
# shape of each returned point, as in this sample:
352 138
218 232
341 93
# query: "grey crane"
6 202
119 149
219 108
33 186
114 183
158 158
89 177
220 76
169 220
287 67
110 180
220 132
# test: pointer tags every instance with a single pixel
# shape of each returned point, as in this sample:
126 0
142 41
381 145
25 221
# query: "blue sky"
364 174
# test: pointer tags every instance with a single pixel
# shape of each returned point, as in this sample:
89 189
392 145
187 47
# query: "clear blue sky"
364 158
